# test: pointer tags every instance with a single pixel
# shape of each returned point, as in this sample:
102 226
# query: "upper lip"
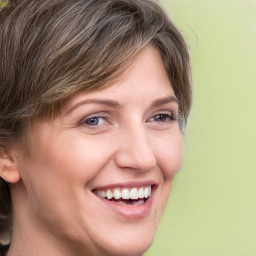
131 184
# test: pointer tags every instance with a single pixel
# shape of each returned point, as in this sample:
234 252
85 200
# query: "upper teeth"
125 193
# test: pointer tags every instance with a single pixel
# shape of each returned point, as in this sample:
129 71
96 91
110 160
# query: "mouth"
132 196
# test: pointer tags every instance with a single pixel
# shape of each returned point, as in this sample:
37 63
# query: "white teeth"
140 202
101 193
117 193
121 202
125 194
146 191
134 193
141 193
109 194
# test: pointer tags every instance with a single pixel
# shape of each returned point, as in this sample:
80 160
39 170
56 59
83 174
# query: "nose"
134 150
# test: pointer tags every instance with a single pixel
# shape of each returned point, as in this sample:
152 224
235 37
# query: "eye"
94 121
162 118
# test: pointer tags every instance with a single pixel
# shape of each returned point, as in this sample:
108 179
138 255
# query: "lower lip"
131 212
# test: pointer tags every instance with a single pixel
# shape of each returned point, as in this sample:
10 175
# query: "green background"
212 205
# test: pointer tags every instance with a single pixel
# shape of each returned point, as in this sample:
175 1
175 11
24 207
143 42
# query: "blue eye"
95 121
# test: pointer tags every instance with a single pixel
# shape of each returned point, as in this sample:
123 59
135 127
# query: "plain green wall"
212 205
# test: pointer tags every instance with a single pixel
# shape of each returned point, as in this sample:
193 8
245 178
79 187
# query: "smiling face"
98 176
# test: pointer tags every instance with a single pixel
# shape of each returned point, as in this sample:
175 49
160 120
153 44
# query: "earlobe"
8 169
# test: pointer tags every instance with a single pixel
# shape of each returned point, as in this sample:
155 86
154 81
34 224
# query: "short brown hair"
51 50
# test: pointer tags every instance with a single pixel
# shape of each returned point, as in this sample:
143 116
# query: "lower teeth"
140 202
131 202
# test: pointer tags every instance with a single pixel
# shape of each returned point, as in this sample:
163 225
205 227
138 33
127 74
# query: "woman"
94 97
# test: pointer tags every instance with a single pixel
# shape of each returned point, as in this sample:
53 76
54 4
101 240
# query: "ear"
8 169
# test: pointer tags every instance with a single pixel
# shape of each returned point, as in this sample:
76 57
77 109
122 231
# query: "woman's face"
89 173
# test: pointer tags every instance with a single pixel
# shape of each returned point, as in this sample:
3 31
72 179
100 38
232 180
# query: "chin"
134 248
125 241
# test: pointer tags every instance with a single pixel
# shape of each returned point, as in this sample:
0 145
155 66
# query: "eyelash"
165 116
86 121
100 120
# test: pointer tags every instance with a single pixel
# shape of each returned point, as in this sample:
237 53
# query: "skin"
55 210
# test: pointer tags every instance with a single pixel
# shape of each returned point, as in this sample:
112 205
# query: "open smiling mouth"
129 196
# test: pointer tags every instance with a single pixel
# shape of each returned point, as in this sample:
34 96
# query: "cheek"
56 174
74 161
169 158
169 155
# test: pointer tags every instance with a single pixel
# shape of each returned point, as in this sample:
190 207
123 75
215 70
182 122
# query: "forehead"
145 78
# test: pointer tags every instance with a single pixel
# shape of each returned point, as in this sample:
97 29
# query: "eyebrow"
106 102
117 105
164 100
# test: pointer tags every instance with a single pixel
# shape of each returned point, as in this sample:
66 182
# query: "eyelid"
95 115
167 116
170 116
165 112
